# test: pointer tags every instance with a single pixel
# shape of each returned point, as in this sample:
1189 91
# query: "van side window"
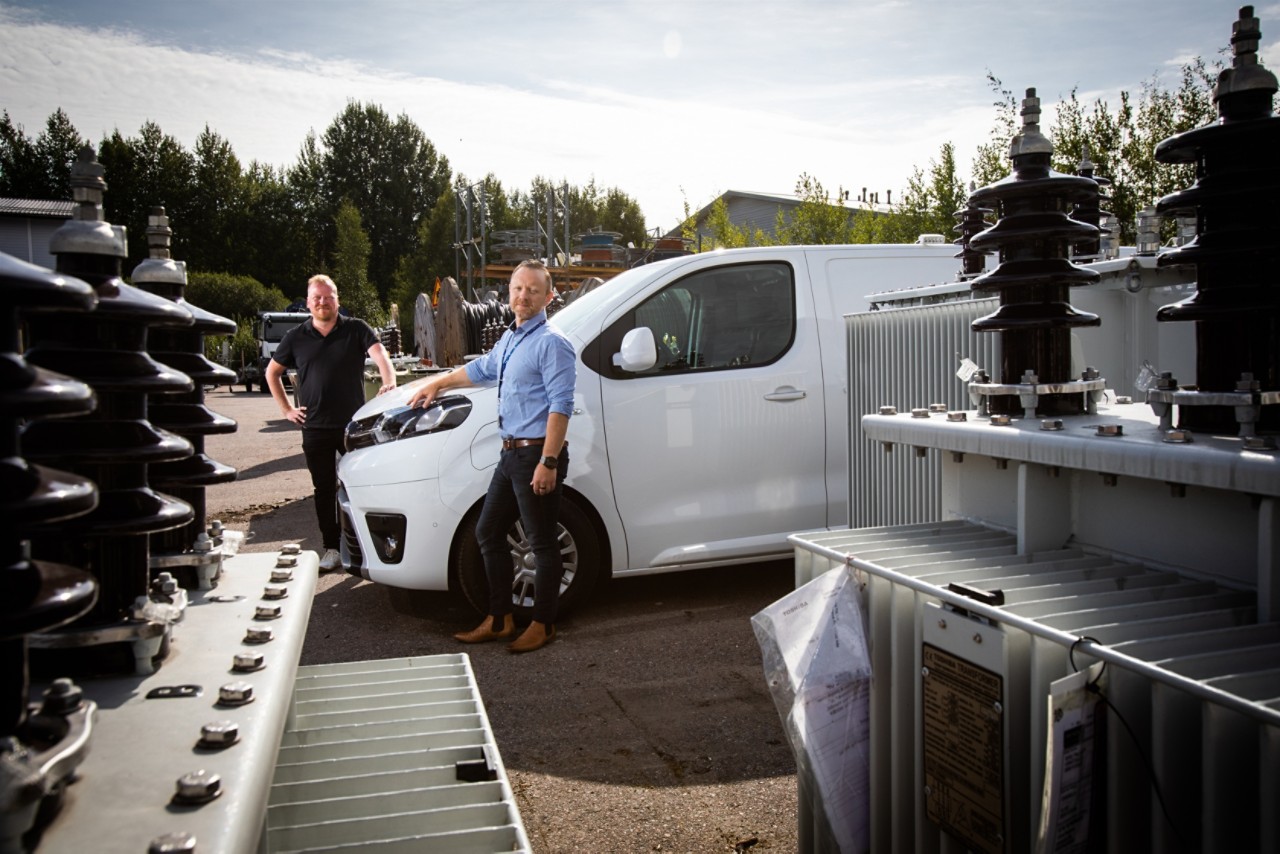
731 317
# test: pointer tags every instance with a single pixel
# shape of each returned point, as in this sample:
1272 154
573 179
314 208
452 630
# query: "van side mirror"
639 351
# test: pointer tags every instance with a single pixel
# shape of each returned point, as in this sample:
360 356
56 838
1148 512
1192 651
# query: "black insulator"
184 413
1090 210
35 595
113 445
970 220
1236 306
1033 236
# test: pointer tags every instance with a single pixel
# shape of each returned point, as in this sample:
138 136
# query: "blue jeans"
511 497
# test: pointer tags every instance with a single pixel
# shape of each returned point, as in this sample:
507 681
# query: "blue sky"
670 101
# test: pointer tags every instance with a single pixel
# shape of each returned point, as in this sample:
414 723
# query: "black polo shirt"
330 368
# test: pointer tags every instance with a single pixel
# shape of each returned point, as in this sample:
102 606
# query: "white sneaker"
332 560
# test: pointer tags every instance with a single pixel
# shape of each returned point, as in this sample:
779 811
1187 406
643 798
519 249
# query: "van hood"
400 397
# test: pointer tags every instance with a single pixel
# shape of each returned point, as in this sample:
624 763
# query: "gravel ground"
646 726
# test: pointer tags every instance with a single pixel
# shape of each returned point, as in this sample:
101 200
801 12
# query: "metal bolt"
281 575
291 549
924 672
1110 430
1167 381
937 407
258 635
1051 424
1029 377
267 612
275 592
1000 420
62 697
1090 373
1124 399
1248 383
235 694
998 707
287 561
203 544
165 584
197 787
1177 436
919 412
942 624
957 416
1259 443
215 528
977 638
888 410
180 842
217 735
248 662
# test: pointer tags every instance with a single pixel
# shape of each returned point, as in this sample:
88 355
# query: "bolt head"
272 591
291 549
248 661
180 842
235 694
279 576
919 412
219 734
1051 424
258 634
1001 420
267 612
198 787
888 410
62 697
286 561
957 416
1177 436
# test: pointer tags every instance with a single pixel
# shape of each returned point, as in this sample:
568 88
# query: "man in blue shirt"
533 365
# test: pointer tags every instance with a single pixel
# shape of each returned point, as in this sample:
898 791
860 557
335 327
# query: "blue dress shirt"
535 369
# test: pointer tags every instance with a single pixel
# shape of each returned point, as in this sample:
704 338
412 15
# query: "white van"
710 421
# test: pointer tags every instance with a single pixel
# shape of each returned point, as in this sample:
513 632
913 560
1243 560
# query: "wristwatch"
551 462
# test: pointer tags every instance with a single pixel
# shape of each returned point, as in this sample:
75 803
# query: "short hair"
321 279
537 264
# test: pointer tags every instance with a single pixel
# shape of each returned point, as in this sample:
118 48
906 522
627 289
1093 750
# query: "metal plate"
963 723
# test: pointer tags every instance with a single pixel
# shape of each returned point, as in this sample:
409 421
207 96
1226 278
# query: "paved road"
646 726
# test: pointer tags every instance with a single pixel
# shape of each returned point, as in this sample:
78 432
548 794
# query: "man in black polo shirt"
328 352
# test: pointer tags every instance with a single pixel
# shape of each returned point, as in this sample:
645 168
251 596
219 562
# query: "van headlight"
403 422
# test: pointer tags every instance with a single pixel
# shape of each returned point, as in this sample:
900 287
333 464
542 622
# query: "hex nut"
235 694
938 407
197 787
291 549
248 662
258 634
888 410
1051 424
1177 436
957 416
267 612
919 412
179 842
1110 430
1001 420
218 735
62 697
279 576
275 592
286 561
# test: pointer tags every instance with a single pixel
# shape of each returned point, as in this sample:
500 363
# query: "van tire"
580 546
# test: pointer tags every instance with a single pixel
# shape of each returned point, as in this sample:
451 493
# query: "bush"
236 297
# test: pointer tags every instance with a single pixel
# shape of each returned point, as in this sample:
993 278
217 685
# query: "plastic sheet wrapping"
818 668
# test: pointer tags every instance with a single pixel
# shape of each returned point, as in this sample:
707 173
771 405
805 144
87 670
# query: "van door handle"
786 392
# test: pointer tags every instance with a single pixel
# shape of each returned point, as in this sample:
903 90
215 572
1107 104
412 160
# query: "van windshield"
596 303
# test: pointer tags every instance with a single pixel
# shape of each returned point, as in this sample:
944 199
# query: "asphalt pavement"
645 726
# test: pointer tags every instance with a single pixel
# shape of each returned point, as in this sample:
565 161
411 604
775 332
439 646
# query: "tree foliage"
235 297
817 219
39 169
351 252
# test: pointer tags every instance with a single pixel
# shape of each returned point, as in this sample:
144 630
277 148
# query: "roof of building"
60 208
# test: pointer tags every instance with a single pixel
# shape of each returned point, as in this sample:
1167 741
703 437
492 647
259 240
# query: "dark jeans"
322 446
510 497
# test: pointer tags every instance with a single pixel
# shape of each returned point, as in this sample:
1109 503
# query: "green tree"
39 169
270 240
991 162
351 265
152 169
217 201
386 168
817 219
232 296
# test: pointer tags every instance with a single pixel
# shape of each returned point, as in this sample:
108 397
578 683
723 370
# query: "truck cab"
269 328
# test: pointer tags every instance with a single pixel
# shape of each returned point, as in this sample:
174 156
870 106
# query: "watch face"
550 462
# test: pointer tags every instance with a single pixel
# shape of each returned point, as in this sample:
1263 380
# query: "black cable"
1092 687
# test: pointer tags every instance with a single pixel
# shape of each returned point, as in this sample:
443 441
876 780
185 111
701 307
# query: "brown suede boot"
535 637
485 631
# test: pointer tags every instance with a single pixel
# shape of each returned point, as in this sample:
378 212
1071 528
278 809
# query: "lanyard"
506 357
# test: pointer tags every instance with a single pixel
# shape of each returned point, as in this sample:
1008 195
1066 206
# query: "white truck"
269 329
711 421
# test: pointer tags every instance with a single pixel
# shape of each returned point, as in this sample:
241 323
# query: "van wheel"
579 548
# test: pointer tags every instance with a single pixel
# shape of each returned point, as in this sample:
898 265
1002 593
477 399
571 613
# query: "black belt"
511 444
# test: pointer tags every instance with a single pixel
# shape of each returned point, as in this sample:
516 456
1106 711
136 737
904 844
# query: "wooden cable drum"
459 325
424 329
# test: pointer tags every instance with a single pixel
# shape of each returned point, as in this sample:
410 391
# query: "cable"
1092 687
